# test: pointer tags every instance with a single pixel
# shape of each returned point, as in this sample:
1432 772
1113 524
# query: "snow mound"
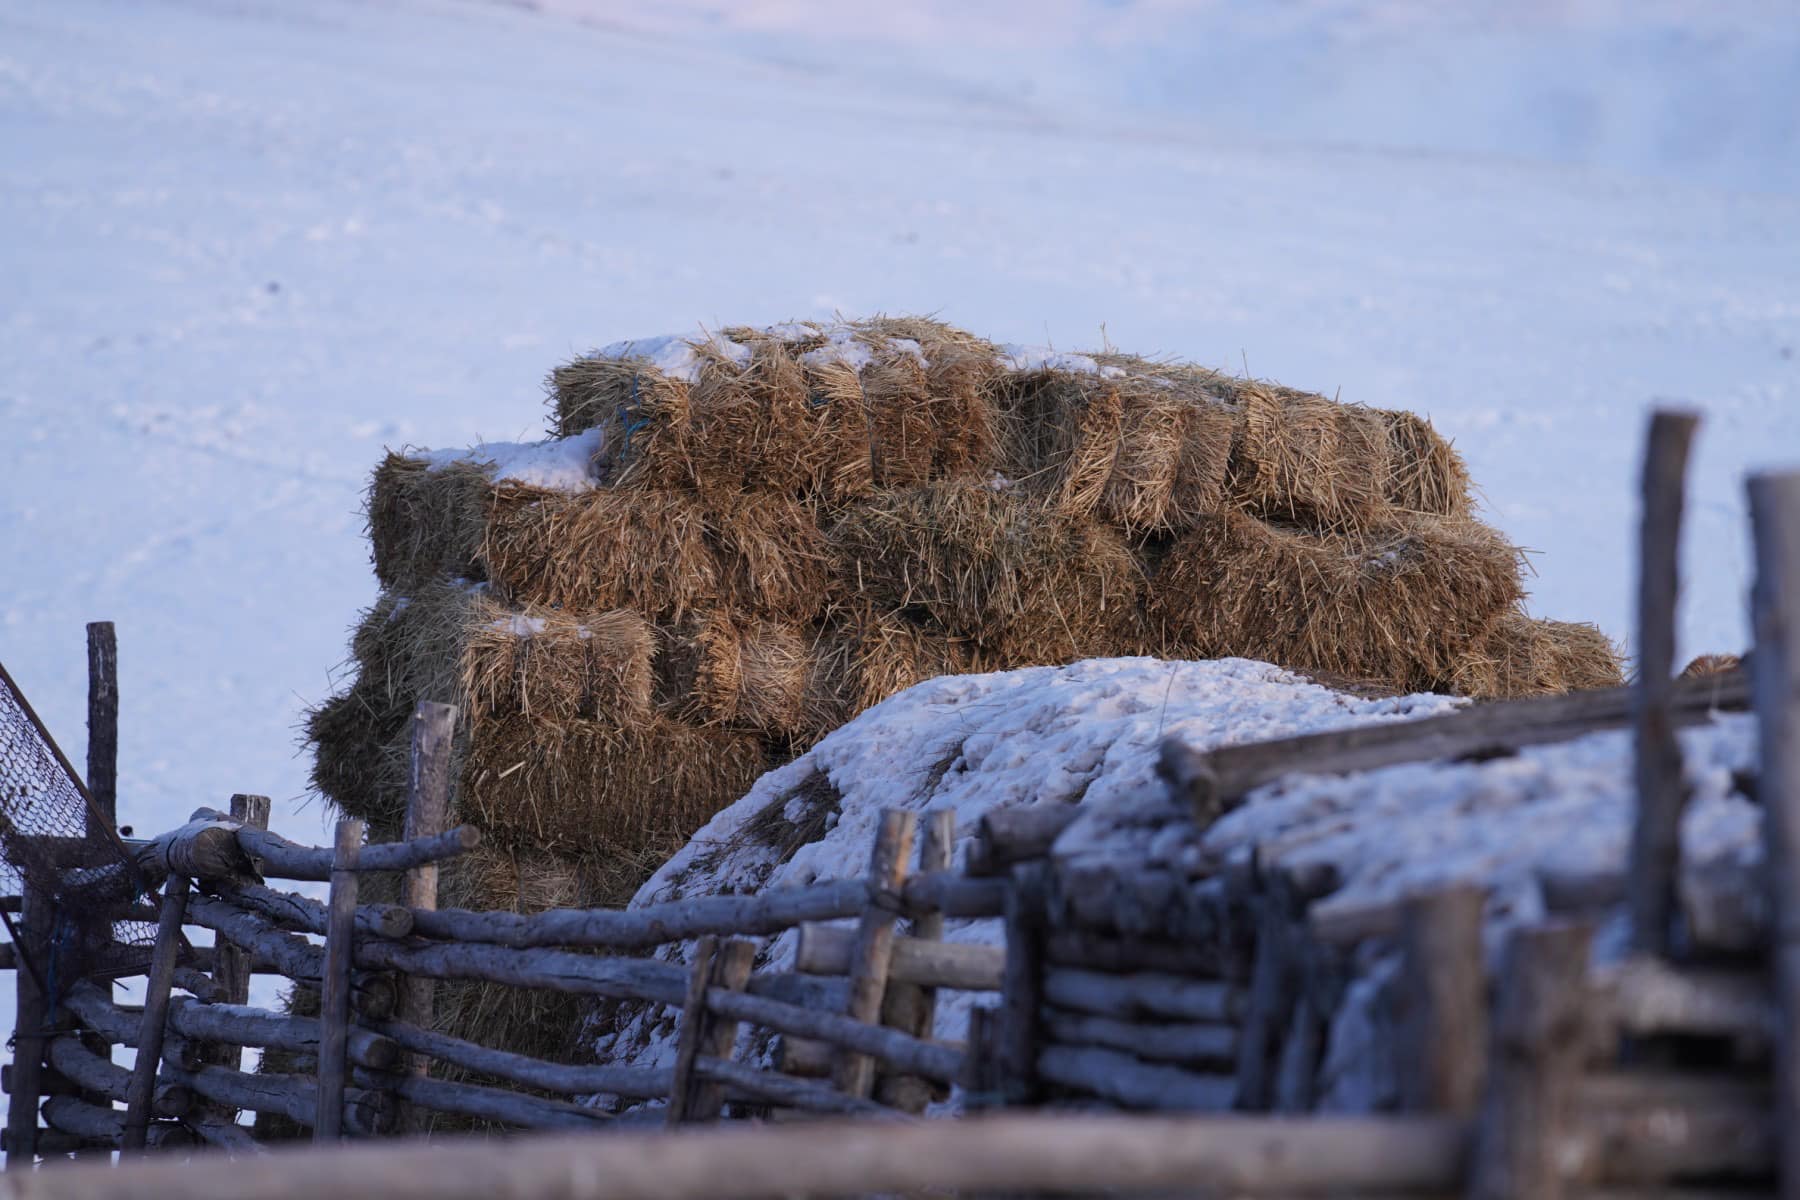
554 464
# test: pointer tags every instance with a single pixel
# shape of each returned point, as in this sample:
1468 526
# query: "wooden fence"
1210 989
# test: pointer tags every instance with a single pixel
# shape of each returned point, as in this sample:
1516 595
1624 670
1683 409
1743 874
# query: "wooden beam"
334 1001
966 966
30 1015
1656 755
154 1024
1005 837
1775 617
1444 1023
1063 1155
889 861
427 815
1217 780
103 726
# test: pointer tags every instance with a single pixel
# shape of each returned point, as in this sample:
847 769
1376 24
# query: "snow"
1087 733
251 244
1045 358
554 464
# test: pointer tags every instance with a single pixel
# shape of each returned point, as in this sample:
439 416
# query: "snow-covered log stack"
737 541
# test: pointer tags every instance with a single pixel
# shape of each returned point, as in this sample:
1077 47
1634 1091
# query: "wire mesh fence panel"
55 843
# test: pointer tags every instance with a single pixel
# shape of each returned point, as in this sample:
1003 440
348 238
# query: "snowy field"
246 244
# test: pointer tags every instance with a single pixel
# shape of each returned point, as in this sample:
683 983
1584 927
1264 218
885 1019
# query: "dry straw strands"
425 524
1522 656
1397 605
1309 460
557 665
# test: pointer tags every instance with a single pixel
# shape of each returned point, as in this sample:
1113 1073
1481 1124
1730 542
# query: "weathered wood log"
1023 987
730 971
635 1083
1198 1042
120 1024
1443 997
828 950
485 1103
1133 1083
29 1016
1775 617
1657 1127
231 967
293 911
198 984
1302 1049
93 1121
225 1134
140 1095
427 815
289 954
889 861
295 1097
245 1026
50 1082
1005 837
334 998
1538 1051
890 1046
279 858
48 1142
692 1031
1656 755
769 1087
909 1006
803 1057
652 925
1094 951
1646 996
1143 994
1217 780
103 723
1269 1004
105 1078
954 895
1065 1155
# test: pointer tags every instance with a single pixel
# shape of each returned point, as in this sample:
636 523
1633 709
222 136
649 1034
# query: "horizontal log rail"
1052 1155
1215 781
908 1055
517 1109
279 858
293 911
828 950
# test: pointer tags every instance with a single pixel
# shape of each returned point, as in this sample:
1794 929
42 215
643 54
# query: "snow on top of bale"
555 464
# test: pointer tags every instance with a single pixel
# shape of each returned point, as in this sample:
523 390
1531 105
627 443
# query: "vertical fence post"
911 1007
1775 681
1537 1054
427 814
334 1003
888 864
1656 840
28 1033
722 964
103 721
1443 1038
1013 1038
140 1093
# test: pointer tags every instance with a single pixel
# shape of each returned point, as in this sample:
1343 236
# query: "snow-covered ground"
245 244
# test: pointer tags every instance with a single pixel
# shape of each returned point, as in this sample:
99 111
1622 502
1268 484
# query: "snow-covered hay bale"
1398 605
1524 656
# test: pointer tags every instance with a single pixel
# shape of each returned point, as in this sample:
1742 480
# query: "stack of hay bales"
737 541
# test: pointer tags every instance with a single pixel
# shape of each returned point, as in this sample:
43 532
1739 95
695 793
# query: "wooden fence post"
1536 1058
716 963
231 965
1775 679
141 1093
1014 1037
103 721
29 1017
875 942
912 1008
427 814
334 1002
1656 839
1444 1034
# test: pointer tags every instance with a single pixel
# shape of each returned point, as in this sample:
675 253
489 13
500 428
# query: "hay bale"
569 787
1425 473
984 561
425 523
1305 459
859 657
1523 656
643 549
1141 451
751 674
556 664
1399 605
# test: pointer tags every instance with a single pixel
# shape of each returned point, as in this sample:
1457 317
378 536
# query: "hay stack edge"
735 542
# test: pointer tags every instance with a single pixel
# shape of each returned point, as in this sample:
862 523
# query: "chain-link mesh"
56 846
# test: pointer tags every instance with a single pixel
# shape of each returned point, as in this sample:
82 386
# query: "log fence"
1202 997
